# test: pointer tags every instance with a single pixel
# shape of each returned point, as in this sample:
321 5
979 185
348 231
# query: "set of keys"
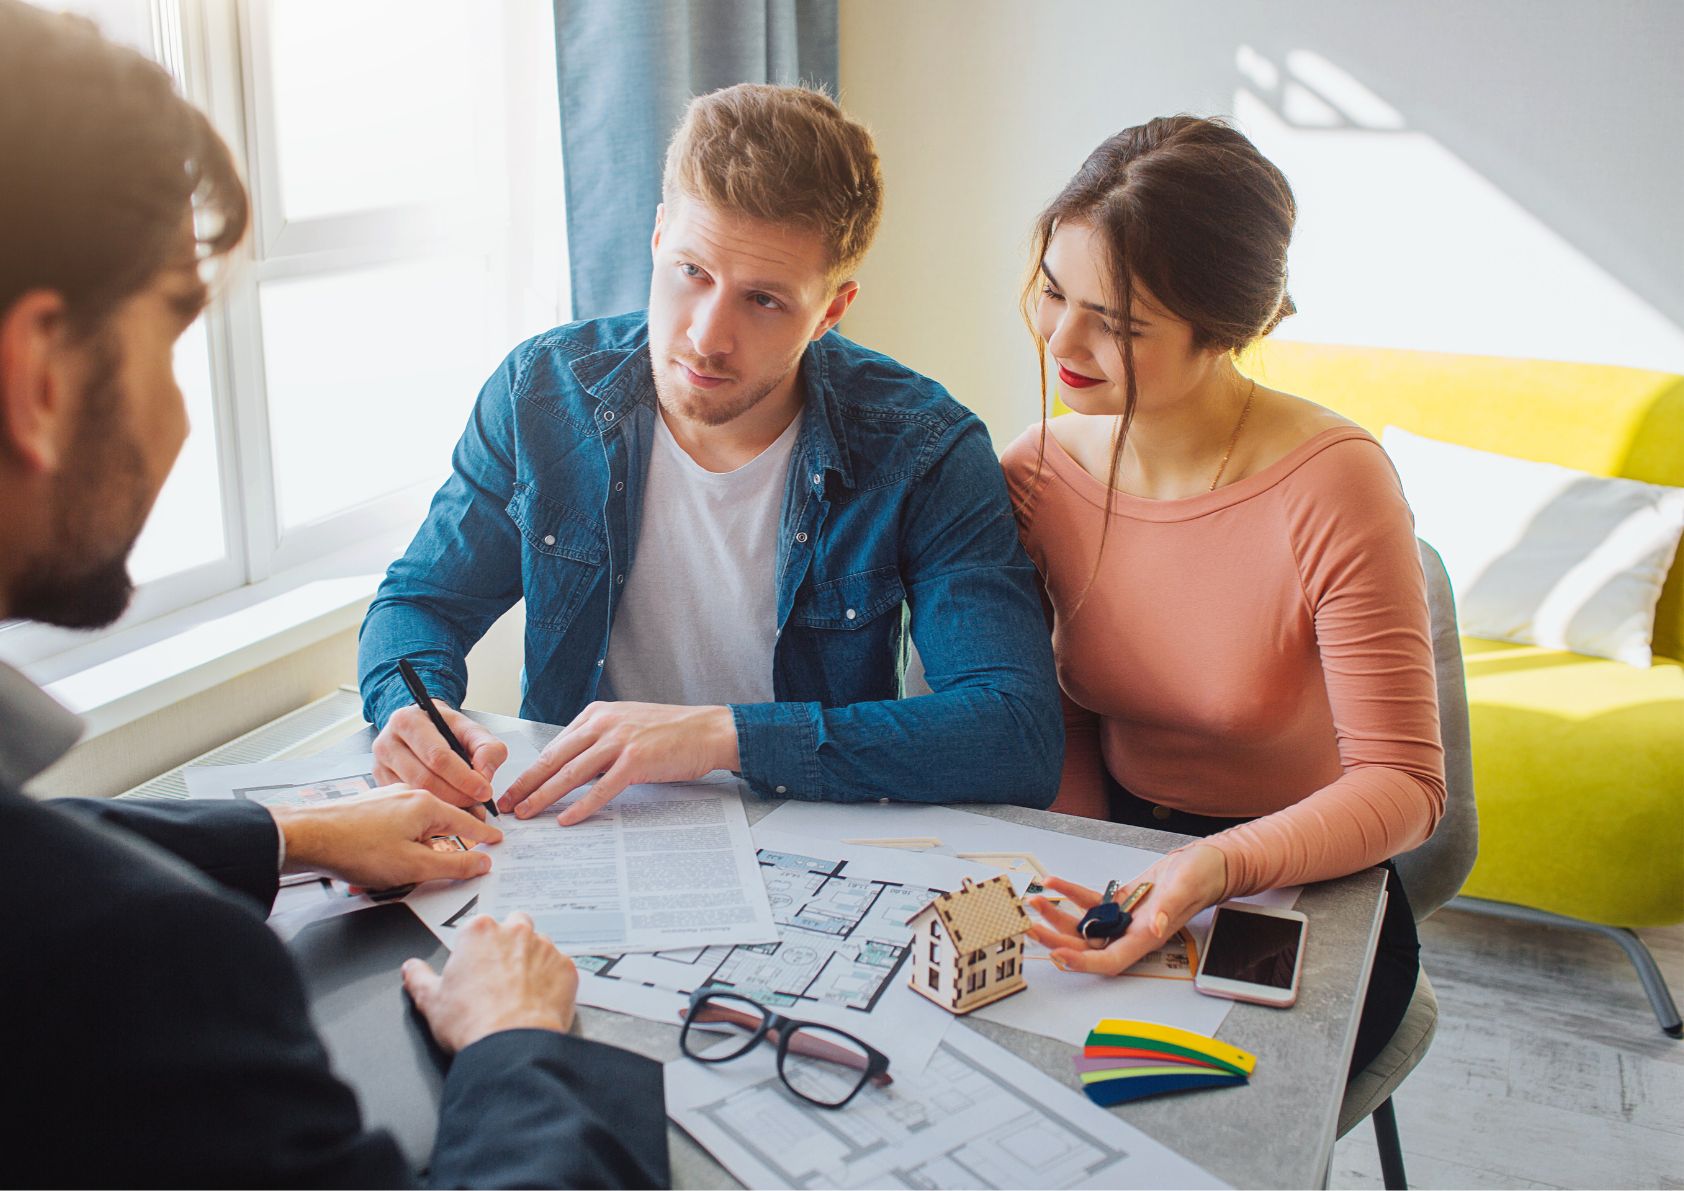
1110 919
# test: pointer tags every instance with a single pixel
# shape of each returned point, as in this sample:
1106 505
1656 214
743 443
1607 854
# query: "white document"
839 958
301 781
661 866
298 905
306 781
1062 1005
668 865
976 1116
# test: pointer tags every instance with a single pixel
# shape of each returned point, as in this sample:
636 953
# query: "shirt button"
1160 812
801 537
817 479
619 485
549 539
619 578
850 614
884 801
599 661
607 415
782 790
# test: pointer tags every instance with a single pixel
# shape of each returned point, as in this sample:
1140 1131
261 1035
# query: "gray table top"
1276 1131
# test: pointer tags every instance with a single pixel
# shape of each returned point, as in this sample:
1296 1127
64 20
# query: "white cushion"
1541 554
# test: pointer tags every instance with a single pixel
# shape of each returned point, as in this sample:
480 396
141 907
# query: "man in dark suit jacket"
157 1030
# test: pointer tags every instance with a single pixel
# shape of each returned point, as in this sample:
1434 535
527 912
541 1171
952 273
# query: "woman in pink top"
1237 604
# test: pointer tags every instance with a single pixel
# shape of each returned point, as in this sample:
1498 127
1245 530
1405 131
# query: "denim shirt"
895 518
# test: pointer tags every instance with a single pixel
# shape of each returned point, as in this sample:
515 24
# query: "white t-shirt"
698 621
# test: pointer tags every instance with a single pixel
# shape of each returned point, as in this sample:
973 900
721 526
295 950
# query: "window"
1005 969
935 980
935 953
404 164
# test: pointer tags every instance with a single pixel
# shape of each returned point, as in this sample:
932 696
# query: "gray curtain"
626 69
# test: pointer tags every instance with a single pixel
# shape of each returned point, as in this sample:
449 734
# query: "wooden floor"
1548 1069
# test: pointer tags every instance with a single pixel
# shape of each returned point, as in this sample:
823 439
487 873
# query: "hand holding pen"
435 747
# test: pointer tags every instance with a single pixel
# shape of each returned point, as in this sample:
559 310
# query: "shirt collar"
825 431
35 729
619 379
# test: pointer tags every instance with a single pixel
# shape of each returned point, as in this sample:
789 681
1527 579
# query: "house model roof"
978 916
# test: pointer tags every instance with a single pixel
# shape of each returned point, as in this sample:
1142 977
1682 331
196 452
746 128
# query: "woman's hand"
1184 882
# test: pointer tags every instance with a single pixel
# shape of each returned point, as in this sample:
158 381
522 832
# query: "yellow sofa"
1578 761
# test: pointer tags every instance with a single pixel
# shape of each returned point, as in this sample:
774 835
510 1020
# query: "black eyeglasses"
820 1064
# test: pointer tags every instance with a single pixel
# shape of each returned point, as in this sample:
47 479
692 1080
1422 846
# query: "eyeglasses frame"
877 1063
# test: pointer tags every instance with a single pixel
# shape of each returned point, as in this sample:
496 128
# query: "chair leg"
1648 972
1391 1150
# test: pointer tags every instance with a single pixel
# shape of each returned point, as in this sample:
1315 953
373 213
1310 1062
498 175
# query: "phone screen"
1255 948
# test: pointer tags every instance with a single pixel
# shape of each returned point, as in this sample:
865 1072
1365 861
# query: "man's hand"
1183 883
620 744
409 750
379 839
499 977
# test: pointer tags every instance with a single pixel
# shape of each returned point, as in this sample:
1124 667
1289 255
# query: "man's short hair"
100 163
786 155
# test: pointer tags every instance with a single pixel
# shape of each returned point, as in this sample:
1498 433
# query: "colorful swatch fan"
1127 1060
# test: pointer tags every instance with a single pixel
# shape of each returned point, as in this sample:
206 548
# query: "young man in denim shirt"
725 519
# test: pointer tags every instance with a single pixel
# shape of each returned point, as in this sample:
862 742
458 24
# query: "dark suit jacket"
156 1031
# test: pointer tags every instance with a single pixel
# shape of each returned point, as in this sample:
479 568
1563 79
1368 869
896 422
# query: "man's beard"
83 584
693 406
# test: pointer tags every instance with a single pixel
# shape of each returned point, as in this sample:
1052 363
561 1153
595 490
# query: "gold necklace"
1234 437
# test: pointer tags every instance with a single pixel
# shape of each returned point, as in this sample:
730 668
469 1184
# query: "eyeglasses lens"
823 1065
721 1027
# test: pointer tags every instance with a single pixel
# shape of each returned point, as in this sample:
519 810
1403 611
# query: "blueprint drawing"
842 940
841 914
977 1116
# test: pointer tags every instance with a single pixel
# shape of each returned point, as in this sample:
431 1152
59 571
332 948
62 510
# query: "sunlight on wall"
1436 256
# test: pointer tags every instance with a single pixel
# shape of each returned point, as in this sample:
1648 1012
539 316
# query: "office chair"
1431 875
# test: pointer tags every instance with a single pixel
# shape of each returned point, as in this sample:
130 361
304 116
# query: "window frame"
217 52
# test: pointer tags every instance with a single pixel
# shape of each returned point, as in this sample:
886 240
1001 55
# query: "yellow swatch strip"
1151 1030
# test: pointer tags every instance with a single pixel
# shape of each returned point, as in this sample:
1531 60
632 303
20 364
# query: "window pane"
125 21
374 102
371 375
185 529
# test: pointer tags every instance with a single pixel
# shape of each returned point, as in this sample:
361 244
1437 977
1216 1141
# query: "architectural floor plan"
841 914
977 1116
842 941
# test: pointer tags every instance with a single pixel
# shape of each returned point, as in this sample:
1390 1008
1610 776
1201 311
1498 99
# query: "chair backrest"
1433 873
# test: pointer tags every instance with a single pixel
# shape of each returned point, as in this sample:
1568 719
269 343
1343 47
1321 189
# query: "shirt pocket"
562 555
851 603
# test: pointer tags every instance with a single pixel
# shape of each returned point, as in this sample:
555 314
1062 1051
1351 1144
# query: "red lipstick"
1075 379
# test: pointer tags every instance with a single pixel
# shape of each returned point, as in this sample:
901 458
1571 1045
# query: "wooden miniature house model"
967 946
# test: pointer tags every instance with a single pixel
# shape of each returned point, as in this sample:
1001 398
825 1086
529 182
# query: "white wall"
1502 177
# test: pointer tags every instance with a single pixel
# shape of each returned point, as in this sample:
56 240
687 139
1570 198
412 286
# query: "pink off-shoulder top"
1261 650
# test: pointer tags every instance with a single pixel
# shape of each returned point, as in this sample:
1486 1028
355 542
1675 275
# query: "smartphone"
1254 954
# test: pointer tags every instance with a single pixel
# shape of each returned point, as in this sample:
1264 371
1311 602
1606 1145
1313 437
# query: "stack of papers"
1128 1060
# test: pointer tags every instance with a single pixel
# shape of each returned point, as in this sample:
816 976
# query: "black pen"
418 692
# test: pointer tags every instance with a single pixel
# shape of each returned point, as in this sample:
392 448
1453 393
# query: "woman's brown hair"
1188 208
102 162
